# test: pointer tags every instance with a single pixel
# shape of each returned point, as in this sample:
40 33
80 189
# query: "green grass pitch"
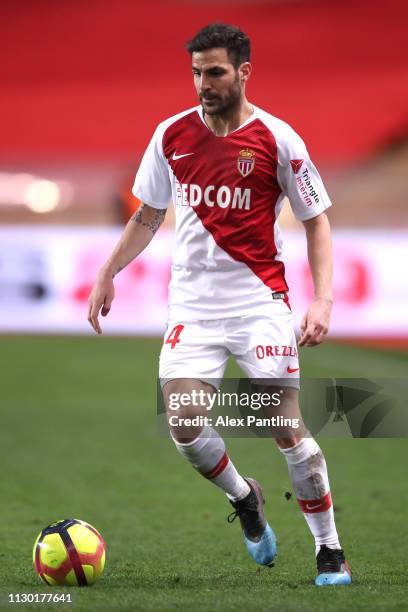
78 439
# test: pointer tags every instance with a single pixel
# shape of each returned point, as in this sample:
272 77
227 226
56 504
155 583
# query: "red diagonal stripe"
246 237
286 300
220 467
311 506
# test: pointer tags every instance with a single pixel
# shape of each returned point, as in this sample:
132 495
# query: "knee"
186 411
185 424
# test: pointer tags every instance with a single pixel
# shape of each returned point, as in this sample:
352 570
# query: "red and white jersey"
228 192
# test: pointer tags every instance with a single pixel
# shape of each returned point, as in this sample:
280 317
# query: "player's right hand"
100 300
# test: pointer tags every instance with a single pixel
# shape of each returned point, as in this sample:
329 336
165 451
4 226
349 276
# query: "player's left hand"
315 323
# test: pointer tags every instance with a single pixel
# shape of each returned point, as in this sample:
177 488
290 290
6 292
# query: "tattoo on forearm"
154 224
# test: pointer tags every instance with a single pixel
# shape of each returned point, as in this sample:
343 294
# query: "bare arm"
315 323
138 233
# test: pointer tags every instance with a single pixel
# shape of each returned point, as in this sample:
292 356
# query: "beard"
222 105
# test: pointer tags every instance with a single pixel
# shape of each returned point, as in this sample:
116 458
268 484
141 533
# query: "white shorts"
263 344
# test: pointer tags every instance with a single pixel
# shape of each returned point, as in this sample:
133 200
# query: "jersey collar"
249 120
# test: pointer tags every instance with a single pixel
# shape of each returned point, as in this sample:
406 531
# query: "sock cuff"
205 452
301 451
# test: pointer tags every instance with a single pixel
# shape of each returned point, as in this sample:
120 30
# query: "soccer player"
227 165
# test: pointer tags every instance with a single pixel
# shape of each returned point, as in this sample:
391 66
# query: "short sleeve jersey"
228 193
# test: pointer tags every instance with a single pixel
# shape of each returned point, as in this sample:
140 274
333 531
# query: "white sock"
208 456
308 472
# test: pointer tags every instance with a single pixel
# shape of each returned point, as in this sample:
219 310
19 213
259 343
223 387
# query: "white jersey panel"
205 278
276 228
154 179
297 175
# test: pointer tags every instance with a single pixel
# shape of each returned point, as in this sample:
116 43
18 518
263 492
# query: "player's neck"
224 124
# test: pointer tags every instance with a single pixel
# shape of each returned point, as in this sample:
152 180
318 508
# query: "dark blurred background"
83 85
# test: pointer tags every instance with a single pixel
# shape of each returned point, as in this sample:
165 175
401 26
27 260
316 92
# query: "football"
69 552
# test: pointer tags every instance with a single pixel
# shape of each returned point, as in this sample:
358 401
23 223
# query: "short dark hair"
225 36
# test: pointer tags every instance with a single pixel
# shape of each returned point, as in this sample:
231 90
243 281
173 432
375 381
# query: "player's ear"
245 71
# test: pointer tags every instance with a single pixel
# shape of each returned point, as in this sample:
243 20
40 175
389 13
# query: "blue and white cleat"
259 537
332 567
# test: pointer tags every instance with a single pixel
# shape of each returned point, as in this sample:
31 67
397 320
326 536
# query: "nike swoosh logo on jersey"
180 156
291 370
309 507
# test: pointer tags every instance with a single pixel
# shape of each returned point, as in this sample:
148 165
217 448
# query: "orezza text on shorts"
268 350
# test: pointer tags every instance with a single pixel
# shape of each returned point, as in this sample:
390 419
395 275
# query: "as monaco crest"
246 162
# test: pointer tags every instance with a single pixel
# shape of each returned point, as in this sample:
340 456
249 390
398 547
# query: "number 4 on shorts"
174 336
